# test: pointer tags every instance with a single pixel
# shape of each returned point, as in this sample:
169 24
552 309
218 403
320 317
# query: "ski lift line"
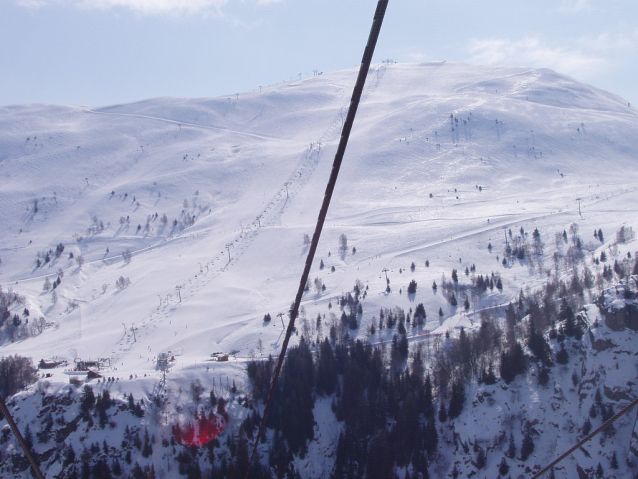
16 432
343 142
587 438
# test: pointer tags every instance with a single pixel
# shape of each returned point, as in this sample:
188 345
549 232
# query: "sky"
104 52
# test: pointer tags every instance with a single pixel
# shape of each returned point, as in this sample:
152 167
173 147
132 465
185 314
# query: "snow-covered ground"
443 160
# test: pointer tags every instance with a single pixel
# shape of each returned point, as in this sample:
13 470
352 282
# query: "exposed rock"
617 394
600 344
618 319
581 472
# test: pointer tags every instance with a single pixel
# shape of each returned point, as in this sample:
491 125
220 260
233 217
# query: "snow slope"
251 170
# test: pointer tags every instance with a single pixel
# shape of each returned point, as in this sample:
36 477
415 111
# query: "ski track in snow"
404 118
271 216
179 123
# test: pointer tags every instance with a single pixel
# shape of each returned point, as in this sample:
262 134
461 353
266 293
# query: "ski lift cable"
16 432
586 438
345 134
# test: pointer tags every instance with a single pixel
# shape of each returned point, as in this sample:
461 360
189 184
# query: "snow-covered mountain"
179 223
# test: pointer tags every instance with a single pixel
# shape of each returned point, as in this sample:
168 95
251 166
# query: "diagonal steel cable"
16 432
628 408
336 165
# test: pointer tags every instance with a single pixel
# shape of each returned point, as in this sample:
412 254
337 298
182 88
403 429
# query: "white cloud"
146 7
532 51
611 42
576 5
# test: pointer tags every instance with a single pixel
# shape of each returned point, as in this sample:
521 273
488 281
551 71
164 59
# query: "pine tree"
567 315
379 464
503 467
537 344
147 450
527 447
614 461
481 458
442 413
561 356
511 447
28 437
513 362
457 400
586 427
452 300
69 457
87 399
85 472
599 471
428 406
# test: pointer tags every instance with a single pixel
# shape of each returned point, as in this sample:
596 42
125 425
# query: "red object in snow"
201 431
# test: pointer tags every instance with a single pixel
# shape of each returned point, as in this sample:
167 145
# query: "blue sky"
100 52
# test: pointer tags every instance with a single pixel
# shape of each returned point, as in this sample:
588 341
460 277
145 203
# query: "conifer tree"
442 413
527 447
599 471
481 458
511 447
614 461
561 356
457 399
503 467
452 300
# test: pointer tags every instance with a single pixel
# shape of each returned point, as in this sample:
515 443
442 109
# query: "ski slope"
252 168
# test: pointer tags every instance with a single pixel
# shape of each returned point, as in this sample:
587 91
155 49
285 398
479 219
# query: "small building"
81 365
43 364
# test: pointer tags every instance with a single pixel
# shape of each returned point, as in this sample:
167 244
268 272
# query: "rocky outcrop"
618 319
618 394
600 344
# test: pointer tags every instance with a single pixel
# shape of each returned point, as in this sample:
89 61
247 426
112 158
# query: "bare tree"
122 283
126 256
39 324
343 242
